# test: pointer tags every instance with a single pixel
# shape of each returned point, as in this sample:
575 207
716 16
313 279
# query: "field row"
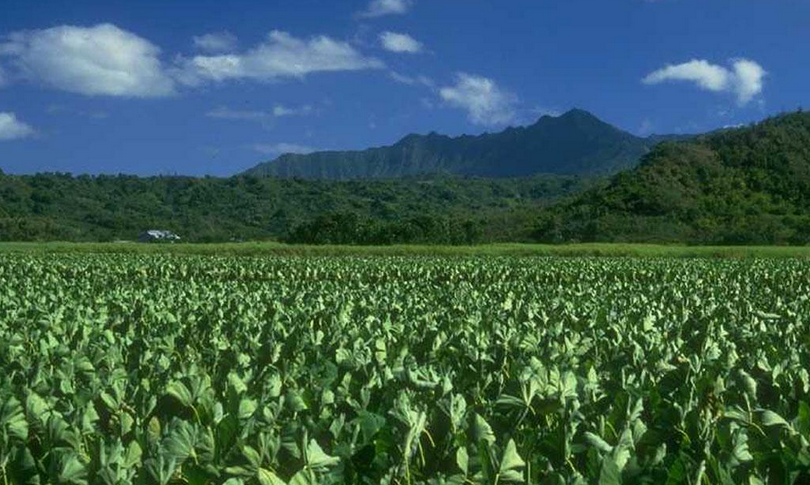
158 369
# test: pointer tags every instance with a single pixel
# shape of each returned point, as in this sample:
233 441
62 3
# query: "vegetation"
158 369
348 228
254 249
47 207
733 187
741 186
576 143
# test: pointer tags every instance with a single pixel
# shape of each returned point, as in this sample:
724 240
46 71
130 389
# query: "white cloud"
279 56
231 114
105 60
282 148
400 43
748 79
216 42
485 102
97 61
744 78
12 129
278 111
379 8
412 80
706 75
281 110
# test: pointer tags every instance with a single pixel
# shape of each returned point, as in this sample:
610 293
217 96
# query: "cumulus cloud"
216 42
280 56
400 43
278 111
282 148
744 78
485 102
380 8
103 60
748 79
707 76
12 129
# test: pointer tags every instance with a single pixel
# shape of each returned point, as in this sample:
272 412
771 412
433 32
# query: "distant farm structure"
158 236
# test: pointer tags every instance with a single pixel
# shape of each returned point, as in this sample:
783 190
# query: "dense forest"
450 210
741 186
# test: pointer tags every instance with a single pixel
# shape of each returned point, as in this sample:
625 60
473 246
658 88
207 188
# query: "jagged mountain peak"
574 143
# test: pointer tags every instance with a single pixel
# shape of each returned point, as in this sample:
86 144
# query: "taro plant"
157 369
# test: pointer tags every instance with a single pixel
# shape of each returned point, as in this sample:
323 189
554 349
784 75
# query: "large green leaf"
12 418
266 477
317 459
511 466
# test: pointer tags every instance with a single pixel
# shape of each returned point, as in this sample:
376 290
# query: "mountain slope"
576 143
741 186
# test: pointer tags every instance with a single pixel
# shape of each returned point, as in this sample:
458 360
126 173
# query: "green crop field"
176 368
502 249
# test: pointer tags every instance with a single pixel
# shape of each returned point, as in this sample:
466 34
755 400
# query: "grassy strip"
273 248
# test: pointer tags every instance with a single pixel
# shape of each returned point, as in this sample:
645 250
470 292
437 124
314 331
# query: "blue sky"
209 87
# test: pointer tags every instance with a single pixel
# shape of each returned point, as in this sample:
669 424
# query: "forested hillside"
740 186
438 209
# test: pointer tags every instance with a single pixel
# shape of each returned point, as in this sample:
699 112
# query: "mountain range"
575 143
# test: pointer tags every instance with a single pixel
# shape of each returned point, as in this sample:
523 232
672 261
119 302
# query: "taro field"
161 369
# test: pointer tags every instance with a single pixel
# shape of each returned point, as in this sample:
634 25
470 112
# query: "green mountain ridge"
575 143
746 185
